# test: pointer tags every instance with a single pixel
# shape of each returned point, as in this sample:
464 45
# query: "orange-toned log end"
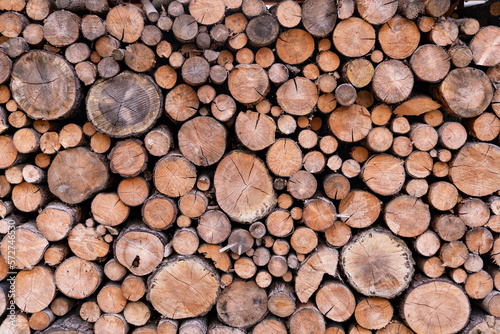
243 187
377 263
139 249
384 174
184 287
203 140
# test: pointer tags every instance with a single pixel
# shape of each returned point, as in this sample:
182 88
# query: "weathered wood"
116 106
72 190
234 298
458 81
34 71
170 280
393 270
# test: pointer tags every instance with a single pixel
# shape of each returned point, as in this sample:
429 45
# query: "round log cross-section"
465 92
202 140
377 263
384 174
297 96
436 306
243 187
475 169
248 84
45 85
76 174
184 287
126 105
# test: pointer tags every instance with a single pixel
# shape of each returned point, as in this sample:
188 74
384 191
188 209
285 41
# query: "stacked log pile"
223 166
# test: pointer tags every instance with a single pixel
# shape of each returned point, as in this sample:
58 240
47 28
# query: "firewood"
78 286
453 254
484 181
461 56
483 46
124 124
368 307
335 300
451 295
133 287
311 271
164 282
65 85
427 243
432 267
90 311
478 285
235 170
224 197
306 319
115 323
288 13
461 79
140 260
87 244
235 297
396 266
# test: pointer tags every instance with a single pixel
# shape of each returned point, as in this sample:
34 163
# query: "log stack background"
223 166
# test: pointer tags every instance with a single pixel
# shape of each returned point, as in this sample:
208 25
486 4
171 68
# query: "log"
248 174
407 216
319 17
129 251
234 298
350 124
443 297
354 37
336 301
373 312
125 22
262 30
61 28
173 278
28 244
195 146
115 106
392 81
115 323
85 243
78 278
29 300
255 130
248 84
181 103
34 71
481 156
294 46
68 324
61 178
323 261
307 319
389 276
180 170
484 48
385 183
457 82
